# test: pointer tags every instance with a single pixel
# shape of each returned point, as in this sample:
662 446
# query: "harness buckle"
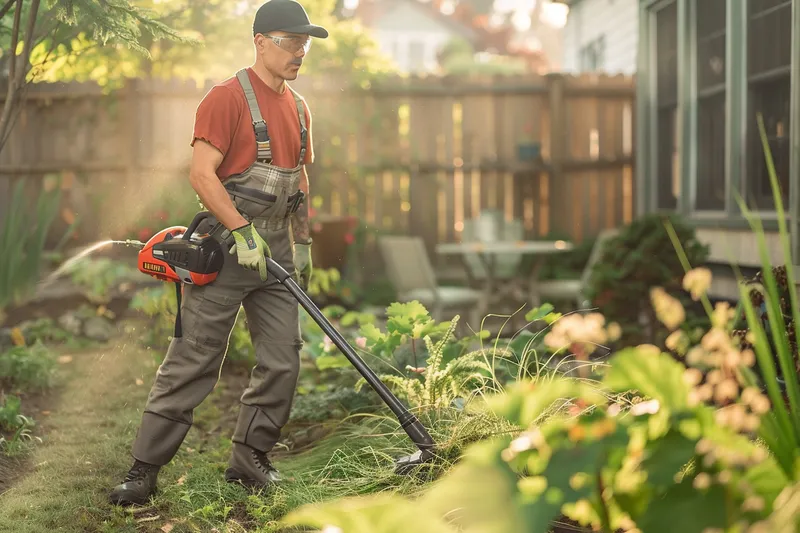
260 127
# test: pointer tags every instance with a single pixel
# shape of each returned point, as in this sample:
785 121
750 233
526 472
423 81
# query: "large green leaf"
685 509
767 479
666 457
482 494
412 310
656 376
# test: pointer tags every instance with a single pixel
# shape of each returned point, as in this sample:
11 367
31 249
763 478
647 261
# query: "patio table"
488 252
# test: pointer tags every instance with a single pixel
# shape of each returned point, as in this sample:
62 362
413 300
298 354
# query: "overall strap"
259 125
301 113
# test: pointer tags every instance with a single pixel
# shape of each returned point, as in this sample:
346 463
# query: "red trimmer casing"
169 256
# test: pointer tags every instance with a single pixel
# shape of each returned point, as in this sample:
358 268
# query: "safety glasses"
291 43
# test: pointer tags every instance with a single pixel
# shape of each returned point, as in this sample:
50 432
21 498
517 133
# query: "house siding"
617 21
411 38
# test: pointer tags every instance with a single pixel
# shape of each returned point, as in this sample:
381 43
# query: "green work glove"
251 250
302 264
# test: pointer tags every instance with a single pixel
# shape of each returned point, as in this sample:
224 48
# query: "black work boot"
251 468
138 486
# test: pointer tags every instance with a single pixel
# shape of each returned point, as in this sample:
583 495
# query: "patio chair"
410 271
572 289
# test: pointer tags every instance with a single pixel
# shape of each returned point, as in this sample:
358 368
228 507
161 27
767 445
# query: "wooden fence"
406 155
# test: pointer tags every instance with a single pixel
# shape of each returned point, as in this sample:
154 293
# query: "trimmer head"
406 464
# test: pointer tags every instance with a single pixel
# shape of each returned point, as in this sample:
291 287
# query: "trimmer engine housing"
170 256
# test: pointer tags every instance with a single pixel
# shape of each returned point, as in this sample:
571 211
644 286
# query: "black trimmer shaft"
412 426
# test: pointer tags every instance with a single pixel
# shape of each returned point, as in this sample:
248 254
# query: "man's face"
282 53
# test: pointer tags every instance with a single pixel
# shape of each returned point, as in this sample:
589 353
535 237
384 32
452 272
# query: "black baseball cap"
285 15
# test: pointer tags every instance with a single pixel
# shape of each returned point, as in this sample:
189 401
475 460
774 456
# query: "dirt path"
86 443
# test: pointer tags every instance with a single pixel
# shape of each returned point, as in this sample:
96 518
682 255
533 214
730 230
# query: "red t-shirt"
223 119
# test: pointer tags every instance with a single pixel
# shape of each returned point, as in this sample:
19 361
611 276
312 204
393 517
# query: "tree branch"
5 8
26 51
17 69
12 67
11 91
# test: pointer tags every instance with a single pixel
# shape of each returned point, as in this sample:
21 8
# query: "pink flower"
361 342
327 344
317 227
349 238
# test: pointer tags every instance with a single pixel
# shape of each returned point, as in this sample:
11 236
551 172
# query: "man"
251 141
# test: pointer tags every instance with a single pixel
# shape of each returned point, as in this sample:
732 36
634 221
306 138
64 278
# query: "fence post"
558 189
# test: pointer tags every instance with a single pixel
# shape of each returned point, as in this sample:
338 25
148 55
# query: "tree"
223 30
55 32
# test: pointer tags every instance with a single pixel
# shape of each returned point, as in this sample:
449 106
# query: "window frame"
736 127
597 48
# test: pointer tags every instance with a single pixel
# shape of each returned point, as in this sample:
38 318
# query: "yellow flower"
678 342
697 281
702 481
649 349
692 376
753 503
722 315
760 404
614 331
17 337
669 310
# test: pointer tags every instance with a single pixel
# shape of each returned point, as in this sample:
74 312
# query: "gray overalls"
267 196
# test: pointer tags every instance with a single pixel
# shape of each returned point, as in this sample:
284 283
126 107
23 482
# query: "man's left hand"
302 264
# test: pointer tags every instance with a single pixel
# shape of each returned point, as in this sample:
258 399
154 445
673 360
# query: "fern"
442 383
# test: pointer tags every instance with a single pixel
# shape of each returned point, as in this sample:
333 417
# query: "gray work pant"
191 366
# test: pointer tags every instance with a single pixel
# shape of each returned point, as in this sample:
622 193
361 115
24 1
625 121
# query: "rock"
98 328
70 322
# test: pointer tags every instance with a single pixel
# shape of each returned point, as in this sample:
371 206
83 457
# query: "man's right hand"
251 250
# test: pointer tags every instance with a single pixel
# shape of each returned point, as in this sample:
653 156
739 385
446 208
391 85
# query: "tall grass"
23 234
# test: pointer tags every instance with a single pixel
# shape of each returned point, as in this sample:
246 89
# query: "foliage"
214 35
458 57
635 261
27 368
443 383
757 299
98 276
53 35
14 423
403 343
24 233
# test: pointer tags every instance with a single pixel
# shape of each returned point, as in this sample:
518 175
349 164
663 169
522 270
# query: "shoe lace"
263 462
139 470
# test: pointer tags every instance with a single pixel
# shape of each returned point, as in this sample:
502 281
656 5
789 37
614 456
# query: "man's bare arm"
204 180
300 223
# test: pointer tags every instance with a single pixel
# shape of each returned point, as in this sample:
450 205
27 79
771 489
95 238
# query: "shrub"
641 257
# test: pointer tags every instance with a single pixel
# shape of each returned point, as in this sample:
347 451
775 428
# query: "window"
709 27
592 56
769 45
416 56
666 58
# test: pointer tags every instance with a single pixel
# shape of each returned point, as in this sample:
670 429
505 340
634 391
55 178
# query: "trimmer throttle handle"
198 218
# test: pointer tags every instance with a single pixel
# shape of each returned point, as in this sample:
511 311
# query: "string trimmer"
180 255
